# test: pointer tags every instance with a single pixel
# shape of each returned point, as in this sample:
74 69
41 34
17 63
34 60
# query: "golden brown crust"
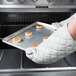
16 40
35 44
46 37
39 26
28 34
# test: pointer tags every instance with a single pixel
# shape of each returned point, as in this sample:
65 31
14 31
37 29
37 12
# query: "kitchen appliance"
17 14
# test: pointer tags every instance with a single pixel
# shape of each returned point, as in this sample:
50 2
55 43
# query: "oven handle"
42 7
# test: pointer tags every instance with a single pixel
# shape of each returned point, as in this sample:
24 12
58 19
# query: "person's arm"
72 28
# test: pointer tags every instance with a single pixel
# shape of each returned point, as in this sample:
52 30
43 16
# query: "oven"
17 14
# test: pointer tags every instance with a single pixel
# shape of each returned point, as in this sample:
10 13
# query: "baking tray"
37 35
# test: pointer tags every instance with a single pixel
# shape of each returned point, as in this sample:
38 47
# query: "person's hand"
72 28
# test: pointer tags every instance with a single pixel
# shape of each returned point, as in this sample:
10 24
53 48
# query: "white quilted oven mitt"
57 46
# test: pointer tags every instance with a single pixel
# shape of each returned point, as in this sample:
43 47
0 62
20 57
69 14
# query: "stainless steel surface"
17 6
39 2
37 6
34 6
35 10
1 54
37 35
62 73
38 70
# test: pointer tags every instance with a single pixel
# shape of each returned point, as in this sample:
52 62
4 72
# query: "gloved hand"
57 46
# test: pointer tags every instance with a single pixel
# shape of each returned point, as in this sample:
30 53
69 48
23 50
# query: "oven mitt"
56 47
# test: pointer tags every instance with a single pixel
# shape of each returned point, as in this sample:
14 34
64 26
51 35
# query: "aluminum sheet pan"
37 35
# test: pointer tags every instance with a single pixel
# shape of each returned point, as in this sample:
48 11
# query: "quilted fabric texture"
57 46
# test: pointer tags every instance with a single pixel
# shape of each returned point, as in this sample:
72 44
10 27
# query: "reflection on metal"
1 55
34 6
17 6
38 70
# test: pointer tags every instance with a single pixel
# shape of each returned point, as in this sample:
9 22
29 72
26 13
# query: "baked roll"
16 40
